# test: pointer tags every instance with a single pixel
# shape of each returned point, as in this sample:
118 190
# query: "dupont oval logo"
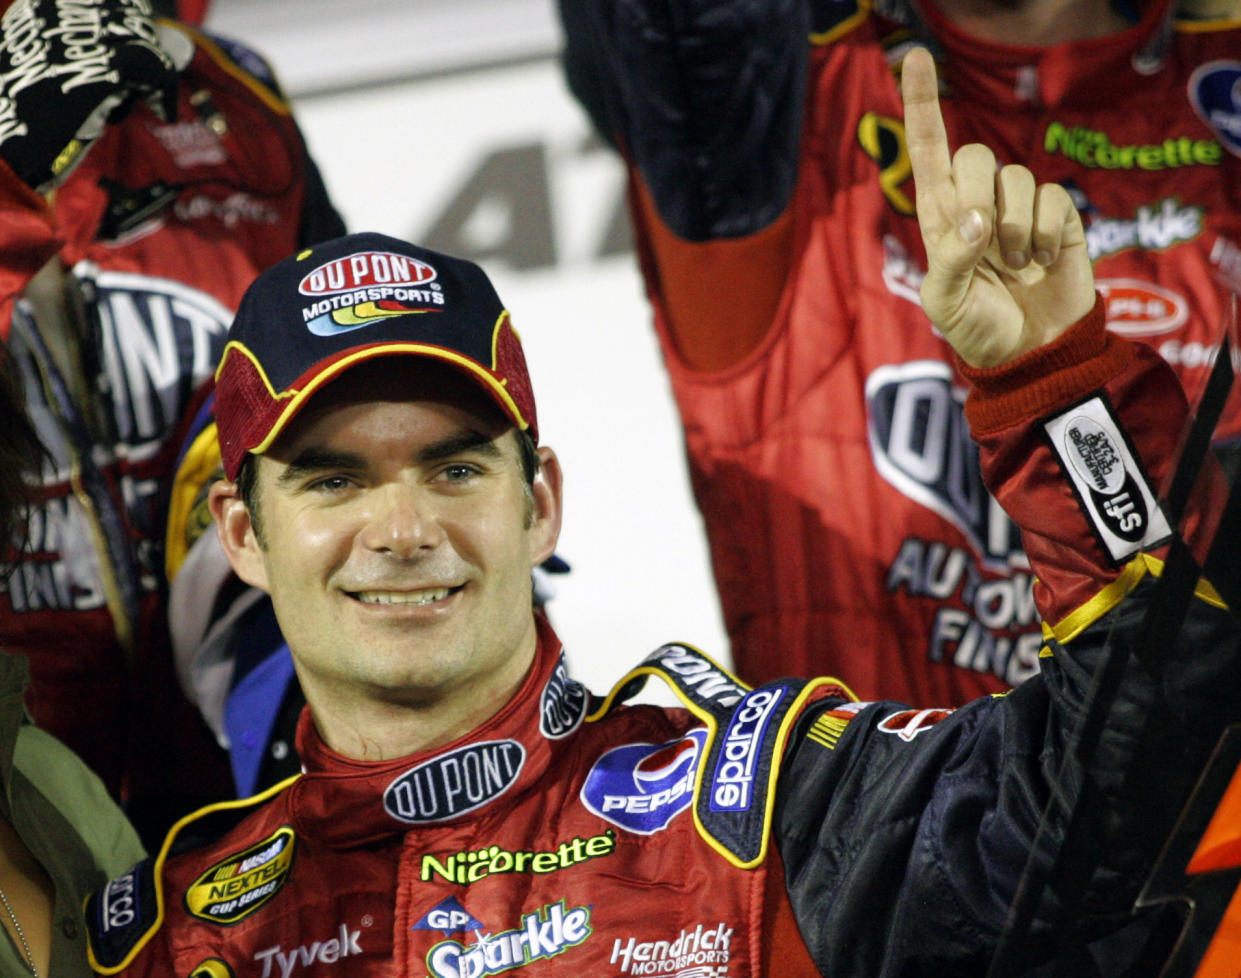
641 787
238 886
455 783
1091 451
1136 308
366 269
563 704
1215 91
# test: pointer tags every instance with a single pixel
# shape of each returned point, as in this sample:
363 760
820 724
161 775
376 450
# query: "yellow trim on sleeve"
1080 618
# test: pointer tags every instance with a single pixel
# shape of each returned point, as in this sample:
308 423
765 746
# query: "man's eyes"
457 472
330 483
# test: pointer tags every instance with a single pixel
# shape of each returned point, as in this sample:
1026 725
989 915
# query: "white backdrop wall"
449 124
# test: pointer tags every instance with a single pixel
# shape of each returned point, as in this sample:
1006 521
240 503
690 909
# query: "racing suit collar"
1076 74
344 802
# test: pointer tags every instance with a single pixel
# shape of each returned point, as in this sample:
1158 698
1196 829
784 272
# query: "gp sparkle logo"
367 287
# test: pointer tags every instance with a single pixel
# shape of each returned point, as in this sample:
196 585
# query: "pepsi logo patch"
563 704
907 724
455 783
642 787
1111 487
1136 308
1215 93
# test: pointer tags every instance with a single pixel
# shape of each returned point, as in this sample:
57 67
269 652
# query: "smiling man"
467 808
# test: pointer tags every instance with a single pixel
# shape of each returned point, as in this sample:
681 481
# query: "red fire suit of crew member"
158 232
772 200
772 831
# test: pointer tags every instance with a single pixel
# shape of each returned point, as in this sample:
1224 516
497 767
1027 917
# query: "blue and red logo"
1215 91
642 787
366 287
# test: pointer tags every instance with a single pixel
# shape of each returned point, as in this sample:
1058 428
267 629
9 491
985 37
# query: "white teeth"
403 597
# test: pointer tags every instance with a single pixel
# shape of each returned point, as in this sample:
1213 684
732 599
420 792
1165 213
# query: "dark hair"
247 479
21 454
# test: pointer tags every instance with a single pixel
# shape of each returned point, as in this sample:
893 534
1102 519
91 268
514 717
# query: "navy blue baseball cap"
316 314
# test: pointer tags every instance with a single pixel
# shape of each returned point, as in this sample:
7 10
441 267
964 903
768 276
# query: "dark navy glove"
67 67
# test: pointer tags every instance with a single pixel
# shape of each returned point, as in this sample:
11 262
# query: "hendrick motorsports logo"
455 783
367 287
702 952
641 787
238 886
542 934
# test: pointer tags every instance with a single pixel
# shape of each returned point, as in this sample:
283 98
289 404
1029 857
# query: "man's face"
398 539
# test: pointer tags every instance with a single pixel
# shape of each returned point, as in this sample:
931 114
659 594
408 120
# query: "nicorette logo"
542 934
732 785
642 787
238 886
363 270
455 783
563 705
469 867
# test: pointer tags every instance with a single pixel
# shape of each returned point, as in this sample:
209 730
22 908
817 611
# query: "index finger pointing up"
927 140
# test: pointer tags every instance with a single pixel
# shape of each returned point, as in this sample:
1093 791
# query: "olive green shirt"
66 818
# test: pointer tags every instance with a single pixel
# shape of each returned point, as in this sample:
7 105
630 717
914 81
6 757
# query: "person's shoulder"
216 867
224 61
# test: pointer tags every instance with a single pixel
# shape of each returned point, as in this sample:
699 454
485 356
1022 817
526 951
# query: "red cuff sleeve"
1079 361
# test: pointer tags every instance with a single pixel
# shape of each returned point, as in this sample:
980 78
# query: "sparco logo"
542 934
641 787
118 902
363 270
733 783
921 445
563 705
238 886
455 783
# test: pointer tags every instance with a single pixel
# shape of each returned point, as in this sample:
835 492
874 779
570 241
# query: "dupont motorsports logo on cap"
366 287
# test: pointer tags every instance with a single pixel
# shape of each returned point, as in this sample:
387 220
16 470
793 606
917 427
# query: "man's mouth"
425 596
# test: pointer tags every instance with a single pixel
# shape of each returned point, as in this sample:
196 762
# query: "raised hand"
1007 265
66 68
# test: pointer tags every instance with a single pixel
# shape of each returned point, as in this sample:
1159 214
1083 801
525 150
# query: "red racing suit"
783 830
772 203
158 232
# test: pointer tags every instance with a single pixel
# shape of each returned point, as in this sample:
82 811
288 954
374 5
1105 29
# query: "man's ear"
236 533
545 522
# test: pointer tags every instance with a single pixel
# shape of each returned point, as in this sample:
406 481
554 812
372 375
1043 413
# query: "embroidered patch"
455 783
1111 487
236 887
642 787
563 704
120 915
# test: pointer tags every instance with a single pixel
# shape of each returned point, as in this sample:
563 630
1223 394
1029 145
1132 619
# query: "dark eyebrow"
315 459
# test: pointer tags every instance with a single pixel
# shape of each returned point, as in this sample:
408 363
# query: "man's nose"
400 521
